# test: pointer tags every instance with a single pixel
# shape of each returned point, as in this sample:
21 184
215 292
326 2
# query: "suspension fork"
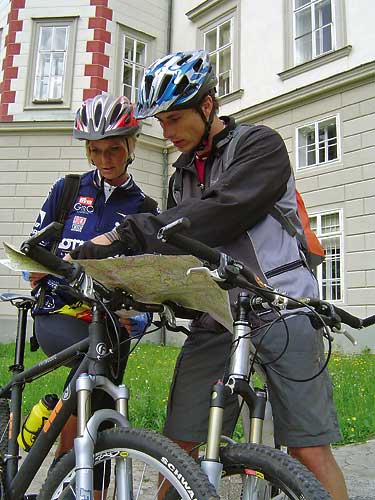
87 425
237 384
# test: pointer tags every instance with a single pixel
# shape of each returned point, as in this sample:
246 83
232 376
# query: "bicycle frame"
79 390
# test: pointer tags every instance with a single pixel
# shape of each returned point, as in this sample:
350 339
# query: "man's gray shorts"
304 412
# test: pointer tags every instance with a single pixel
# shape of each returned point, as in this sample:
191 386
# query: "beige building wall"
347 185
37 147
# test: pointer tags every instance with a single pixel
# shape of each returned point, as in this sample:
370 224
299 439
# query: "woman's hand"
137 325
35 277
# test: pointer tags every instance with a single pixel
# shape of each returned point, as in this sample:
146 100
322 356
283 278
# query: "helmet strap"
207 128
131 156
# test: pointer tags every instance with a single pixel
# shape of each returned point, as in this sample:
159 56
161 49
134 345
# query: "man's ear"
207 105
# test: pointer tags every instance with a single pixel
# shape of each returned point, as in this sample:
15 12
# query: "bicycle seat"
10 297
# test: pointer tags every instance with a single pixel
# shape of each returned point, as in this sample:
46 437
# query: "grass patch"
354 393
150 370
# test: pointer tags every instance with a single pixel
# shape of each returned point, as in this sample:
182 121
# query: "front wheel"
134 464
257 472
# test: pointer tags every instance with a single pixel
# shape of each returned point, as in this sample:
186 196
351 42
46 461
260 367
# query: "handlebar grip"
193 247
66 269
368 321
348 318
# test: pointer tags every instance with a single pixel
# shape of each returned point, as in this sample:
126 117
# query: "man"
228 194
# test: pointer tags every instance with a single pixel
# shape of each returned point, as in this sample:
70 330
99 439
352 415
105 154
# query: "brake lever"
169 317
346 334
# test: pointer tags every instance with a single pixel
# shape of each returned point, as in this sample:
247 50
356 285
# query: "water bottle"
35 420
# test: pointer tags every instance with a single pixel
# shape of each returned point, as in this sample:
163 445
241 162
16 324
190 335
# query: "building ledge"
306 93
315 63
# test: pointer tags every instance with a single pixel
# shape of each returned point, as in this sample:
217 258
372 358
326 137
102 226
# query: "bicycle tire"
271 472
151 454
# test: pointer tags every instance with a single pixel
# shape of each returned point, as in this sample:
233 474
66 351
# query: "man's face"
183 127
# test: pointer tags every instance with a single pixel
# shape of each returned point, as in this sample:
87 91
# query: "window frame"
134 66
322 237
341 49
218 49
315 124
311 7
65 101
207 16
147 40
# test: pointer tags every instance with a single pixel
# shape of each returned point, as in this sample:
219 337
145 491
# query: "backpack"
312 248
313 252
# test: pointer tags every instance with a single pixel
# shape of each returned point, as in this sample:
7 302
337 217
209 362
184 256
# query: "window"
134 66
51 65
313 29
219 27
315 34
219 43
317 143
328 228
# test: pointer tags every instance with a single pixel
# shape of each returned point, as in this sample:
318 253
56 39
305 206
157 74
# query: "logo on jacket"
78 223
85 204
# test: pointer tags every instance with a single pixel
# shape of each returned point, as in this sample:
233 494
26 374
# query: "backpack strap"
67 198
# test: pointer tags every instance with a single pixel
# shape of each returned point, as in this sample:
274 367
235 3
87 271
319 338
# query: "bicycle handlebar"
169 234
267 294
69 270
228 268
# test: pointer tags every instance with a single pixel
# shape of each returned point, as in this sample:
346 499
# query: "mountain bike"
253 471
120 462
258 471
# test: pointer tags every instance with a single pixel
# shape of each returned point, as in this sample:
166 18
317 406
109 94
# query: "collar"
186 160
101 182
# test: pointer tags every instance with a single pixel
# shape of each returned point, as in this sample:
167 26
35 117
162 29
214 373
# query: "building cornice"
202 9
273 106
315 63
66 126
309 92
30 127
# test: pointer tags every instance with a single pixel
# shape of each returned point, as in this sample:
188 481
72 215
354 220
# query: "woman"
107 194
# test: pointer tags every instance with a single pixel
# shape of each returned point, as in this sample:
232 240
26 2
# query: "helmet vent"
183 60
181 86
164 84
148 84
115 114
84 116
98 114
198 65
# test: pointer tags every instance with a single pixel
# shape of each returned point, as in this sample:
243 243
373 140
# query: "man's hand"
98 248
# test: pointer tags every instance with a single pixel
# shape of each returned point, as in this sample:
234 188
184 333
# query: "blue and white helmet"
176 81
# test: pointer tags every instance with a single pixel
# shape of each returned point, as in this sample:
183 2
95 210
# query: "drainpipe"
165 177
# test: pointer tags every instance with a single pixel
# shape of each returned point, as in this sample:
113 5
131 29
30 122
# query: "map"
149 278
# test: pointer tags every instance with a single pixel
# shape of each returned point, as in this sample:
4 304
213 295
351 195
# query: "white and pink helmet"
105 116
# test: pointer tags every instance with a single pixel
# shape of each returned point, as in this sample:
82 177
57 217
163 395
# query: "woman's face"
110 157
